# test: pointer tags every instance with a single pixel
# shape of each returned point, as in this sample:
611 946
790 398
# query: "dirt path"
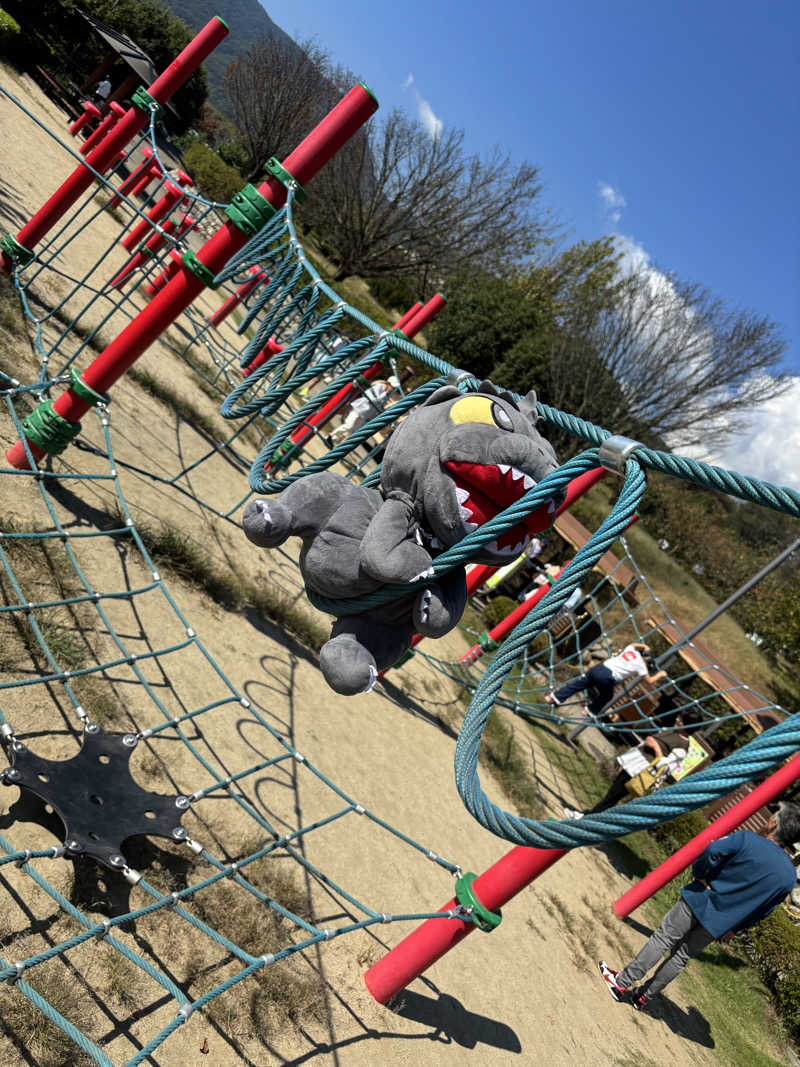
528 993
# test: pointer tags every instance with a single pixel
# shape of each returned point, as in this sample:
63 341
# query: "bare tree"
396 200
664 360
277 93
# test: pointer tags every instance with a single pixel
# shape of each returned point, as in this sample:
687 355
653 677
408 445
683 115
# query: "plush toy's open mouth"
484 490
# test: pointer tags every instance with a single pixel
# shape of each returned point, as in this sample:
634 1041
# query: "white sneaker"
551 698
573 813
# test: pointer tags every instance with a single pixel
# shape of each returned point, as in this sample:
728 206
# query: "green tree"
213 177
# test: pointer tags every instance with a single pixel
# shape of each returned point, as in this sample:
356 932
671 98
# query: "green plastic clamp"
249 211
278 171
200 270
19 252
145 102
283 452
486 642
484 919
47 430
84 391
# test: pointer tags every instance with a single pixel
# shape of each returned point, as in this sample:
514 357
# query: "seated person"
669 747
629 665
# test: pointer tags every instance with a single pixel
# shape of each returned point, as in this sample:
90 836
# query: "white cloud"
613 200
769 446
432 123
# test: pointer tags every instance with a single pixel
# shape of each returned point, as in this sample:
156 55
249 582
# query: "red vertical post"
725 824
303 163
173 195
430 941
270 349
90 114
128 126
167 274
411 324
115 113
506 625
242 293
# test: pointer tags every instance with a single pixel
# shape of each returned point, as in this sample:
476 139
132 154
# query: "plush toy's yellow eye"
480 409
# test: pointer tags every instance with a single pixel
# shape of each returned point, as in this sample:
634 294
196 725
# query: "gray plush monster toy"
451 465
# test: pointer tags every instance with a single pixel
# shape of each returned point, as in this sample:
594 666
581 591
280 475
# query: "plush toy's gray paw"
433 616
266 522
347 666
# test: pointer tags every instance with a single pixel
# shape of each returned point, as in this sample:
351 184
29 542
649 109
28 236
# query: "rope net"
95 650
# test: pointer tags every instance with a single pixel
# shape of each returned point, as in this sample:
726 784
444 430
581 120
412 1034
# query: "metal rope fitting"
615 452
458 377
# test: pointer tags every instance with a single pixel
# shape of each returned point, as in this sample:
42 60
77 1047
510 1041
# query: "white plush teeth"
429 573
492 546
527 481
466 519
461 495
503 468
435 542
551 507
516 475
518 548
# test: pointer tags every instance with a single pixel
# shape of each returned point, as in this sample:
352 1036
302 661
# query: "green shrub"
678 832
774 948
9 34
496 610
214 178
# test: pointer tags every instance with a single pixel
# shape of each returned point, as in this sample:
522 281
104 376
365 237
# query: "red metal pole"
115 113
151 246
90 114
430 941
411 324
128 126
241 294
171 198
151 172
303 163
270 349
725 824
167 274
497 633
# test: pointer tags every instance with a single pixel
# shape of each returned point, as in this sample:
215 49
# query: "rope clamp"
16 251
46 429
142 100
615 452
23 859
484 919
85 392
200 270
20 969
280 173
249 211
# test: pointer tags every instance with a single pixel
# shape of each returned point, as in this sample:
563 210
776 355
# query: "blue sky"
674 125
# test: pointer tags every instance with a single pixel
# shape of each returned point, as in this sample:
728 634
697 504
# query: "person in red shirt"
633 662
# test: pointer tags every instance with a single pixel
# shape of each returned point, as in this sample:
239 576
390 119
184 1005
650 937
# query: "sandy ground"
529 992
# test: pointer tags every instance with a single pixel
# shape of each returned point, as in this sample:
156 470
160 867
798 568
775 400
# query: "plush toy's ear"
528 407
444 392
490 389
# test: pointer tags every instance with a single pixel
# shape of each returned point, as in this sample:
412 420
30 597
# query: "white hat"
394 382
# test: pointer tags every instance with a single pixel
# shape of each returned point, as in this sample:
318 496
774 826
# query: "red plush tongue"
490 492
